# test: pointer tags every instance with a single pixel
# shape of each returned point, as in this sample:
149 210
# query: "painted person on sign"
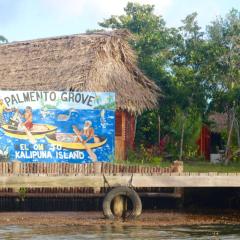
87 132
85 136
27 115
3 109
28 118
27 125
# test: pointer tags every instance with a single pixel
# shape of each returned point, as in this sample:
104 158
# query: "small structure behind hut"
101 61
211 141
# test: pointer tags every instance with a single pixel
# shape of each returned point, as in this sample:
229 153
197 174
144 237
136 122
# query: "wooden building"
100 61
210 140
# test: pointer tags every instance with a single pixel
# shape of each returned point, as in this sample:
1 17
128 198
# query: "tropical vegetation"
197 70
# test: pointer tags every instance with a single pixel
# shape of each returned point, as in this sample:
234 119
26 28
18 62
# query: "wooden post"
177 166
229 137
118 206
97 166
16 166
159 130
97 170
181 142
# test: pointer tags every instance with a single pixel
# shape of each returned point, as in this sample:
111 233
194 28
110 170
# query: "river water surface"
12 232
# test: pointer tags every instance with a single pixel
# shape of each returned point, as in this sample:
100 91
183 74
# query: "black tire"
123 191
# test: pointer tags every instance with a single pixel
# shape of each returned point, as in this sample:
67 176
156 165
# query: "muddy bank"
149 218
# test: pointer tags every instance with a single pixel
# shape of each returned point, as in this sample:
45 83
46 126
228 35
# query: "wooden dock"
27 181
98 175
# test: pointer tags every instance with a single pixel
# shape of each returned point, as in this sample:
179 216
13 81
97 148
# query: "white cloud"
98 8
116 7
161 6
65 8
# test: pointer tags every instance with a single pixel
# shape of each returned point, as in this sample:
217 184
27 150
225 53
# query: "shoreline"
147 219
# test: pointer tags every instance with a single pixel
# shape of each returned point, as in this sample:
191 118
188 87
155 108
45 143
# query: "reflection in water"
119 232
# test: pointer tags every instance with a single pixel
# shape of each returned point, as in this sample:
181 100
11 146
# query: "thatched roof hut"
100 61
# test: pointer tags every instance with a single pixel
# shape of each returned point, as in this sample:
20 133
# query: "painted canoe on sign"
70 141
38 131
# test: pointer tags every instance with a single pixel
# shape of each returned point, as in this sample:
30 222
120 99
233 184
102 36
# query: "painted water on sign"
58 131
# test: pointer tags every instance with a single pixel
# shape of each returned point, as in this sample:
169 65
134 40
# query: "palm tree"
110 98
3 39
98 99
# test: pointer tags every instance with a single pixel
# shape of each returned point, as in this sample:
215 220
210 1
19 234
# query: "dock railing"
96 168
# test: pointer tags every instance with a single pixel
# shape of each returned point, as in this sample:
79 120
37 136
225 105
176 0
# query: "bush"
143 155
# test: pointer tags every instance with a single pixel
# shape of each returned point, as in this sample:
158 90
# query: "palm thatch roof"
219 121
101 61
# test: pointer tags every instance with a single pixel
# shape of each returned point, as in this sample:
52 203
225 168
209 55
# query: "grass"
189 166
155 161
204 166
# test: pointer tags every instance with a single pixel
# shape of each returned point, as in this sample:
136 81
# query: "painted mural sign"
54 126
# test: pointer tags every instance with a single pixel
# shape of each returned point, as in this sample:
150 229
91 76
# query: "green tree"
192 90
197 71
224 38
185 132
152 42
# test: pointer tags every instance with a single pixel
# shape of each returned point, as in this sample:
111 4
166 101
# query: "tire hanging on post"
122 191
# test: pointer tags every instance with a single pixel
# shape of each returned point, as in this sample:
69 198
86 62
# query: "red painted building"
204 142
210 138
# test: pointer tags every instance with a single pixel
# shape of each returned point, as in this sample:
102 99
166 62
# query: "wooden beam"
85 195
33 181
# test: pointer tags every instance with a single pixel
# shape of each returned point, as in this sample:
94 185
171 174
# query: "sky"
31 19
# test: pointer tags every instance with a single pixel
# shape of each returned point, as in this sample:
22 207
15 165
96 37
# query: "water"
214 232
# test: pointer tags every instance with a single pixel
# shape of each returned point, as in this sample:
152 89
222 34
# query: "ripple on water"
119 232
